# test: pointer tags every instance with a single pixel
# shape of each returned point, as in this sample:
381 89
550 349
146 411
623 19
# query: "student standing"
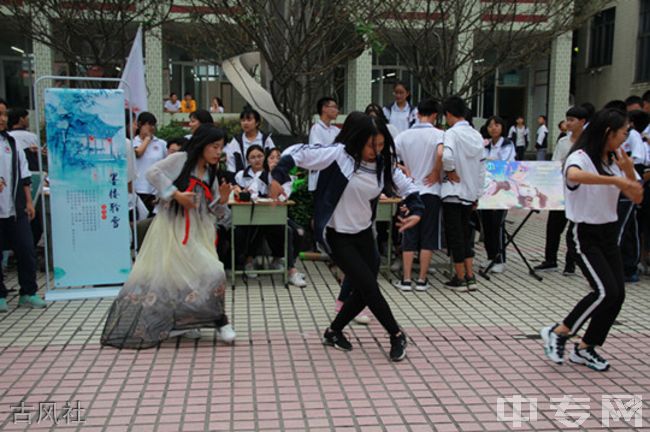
576 118
148 150
500 148
541 142
400 113
250 121
16 212
351 180
323 131
198 118
464 174
417 149
518 134
596 171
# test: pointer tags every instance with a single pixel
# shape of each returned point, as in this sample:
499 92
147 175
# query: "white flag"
135 92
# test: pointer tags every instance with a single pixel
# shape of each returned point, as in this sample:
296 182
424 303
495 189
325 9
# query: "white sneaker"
397 265
249 268
363 317
590 358
498 268
421 285
297 280
432 270
226 334
277 264
553 344
404 285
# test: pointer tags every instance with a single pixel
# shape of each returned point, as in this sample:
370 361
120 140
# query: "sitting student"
172 105
175 145
255 180
188 104
237 148
417 148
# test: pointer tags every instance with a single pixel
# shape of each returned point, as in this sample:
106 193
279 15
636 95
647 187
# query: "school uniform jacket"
17 180
336 168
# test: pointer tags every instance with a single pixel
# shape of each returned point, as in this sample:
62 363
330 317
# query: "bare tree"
452 45
301 42
93 36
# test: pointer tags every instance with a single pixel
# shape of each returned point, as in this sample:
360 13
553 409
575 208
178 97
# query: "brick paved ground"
465 351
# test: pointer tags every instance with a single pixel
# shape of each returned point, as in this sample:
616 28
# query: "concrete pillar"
154 70
43 66
559 84
358 88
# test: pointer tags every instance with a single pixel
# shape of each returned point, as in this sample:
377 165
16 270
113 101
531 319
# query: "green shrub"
174 129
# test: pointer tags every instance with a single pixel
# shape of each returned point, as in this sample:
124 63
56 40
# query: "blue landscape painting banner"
88 186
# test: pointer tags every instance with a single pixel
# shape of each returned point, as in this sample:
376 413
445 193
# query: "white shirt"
562 149
417 148
156 151
349 217
580 199
520 135
173 107
25 140
7 205
320 133
542 131
233 148
646 135
401 118
635 147
499 151
131 172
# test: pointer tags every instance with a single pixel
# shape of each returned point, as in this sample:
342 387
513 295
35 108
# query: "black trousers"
521 152
16 234
249 239
599 258
555 225
357 256
494 234
628 236
457 227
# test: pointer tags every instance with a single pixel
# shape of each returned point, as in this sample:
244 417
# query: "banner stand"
510 239
72 293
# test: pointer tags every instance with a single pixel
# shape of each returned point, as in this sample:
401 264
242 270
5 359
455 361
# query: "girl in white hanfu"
178 284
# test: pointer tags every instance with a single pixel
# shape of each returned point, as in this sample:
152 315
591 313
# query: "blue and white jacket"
336 167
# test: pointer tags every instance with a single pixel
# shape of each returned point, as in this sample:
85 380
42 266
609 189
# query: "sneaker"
363 318
226 334
277 264
590 358
3 305
296 280
457 284
553 344
421 285
472 285
397 265
192 334
336 340
338 306
546 266
569 271
249 270
432 270
33 301
398 347
498 268
633 278
404 285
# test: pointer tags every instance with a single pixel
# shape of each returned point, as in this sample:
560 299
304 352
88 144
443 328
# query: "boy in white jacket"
462 185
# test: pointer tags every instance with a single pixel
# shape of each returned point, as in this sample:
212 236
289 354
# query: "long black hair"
205 135
593 139
356 131
377 110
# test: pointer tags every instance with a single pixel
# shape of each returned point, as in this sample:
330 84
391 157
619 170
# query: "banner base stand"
64 294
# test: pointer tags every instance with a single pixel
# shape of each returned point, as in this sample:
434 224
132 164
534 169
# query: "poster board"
522 185
88 186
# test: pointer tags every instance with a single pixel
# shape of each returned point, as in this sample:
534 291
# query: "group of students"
178 283
188 104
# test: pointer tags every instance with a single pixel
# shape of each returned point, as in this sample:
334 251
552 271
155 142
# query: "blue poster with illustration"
522 185
88 186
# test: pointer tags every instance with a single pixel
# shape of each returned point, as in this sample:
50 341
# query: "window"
643 43
602 38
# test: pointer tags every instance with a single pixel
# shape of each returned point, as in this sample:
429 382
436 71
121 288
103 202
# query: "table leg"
232 255
286 252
